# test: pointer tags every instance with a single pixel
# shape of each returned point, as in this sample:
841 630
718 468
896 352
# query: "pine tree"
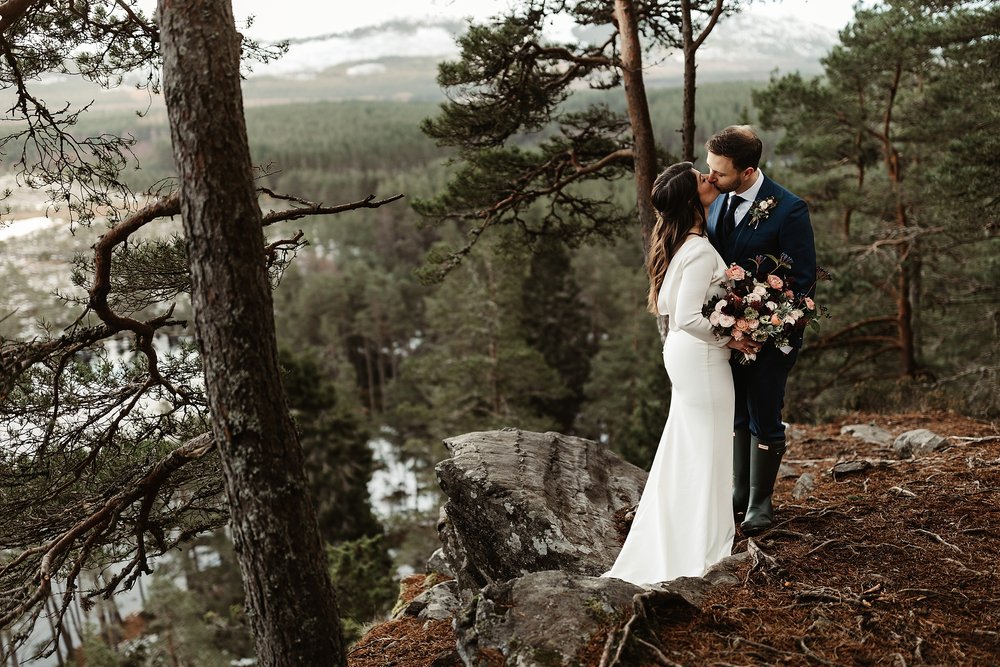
555 324
119 460
523 150
879 136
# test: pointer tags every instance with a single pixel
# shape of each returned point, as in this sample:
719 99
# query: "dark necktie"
729 219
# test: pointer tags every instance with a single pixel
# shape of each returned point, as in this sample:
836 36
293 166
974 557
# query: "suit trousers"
760 392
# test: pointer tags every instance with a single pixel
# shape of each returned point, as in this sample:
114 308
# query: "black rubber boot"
765 458
742 442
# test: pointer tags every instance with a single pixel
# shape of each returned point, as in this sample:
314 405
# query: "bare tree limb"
54 552
312 208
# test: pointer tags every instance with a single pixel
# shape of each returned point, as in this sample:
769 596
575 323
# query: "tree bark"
906 266
290 598
644 148
690 72
691 45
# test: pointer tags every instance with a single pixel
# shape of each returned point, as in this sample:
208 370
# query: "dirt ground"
893 564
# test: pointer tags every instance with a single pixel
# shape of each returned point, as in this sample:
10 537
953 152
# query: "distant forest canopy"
543 337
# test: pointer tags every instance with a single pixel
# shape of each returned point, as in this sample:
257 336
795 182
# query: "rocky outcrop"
555 619
542 618
435 604
522 502
530 521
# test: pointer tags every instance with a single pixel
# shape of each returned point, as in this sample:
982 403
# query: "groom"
757 217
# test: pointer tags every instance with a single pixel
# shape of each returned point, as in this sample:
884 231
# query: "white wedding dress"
684 522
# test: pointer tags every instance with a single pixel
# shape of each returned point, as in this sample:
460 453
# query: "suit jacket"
786 230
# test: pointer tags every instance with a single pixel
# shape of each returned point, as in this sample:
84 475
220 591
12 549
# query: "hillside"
398 60
884 561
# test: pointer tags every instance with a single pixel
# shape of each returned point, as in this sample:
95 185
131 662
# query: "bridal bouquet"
760 306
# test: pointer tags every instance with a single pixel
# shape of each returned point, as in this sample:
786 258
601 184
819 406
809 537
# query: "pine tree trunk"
690 70
691 44
290 599
905 267
904 306
644 147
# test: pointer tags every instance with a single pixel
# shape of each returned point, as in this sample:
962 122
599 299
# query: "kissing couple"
724 438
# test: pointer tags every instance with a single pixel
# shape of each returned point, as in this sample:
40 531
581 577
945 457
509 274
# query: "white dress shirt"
749 197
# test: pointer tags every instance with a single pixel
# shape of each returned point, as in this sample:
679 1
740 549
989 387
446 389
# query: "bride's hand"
744 345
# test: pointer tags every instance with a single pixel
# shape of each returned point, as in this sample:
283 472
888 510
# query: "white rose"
726 320
772 306
714 318
753 297
760 289
720 304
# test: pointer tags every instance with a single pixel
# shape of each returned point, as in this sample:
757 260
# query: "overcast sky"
282 19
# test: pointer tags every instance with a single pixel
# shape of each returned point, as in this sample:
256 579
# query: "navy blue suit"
760 385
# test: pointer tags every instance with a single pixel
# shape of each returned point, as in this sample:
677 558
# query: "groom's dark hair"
739 143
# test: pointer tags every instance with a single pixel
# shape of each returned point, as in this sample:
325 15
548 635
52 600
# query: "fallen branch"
778 532
809 652
963 566
658 654
821 546
767 647
973 441
937 538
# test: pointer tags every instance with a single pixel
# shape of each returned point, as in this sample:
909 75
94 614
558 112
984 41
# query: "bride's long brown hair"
678 211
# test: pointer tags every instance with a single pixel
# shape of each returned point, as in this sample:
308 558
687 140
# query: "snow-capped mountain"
740 47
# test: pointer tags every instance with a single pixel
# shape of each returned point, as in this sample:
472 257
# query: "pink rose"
775 320
810 304
736 272
742 324
775 282
737 334
754 323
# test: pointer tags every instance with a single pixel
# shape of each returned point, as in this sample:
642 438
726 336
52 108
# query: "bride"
684 522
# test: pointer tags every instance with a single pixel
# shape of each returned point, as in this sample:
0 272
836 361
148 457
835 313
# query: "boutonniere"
761 210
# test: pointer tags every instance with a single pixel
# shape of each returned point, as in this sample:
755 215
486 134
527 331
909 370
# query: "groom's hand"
744 345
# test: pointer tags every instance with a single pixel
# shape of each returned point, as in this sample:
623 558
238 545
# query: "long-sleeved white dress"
684 522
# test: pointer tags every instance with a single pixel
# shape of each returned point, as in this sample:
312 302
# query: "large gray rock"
868 433
917 443
521 502
556 619
543 618
804 485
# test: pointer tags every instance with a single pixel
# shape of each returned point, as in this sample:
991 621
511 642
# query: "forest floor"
896 564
